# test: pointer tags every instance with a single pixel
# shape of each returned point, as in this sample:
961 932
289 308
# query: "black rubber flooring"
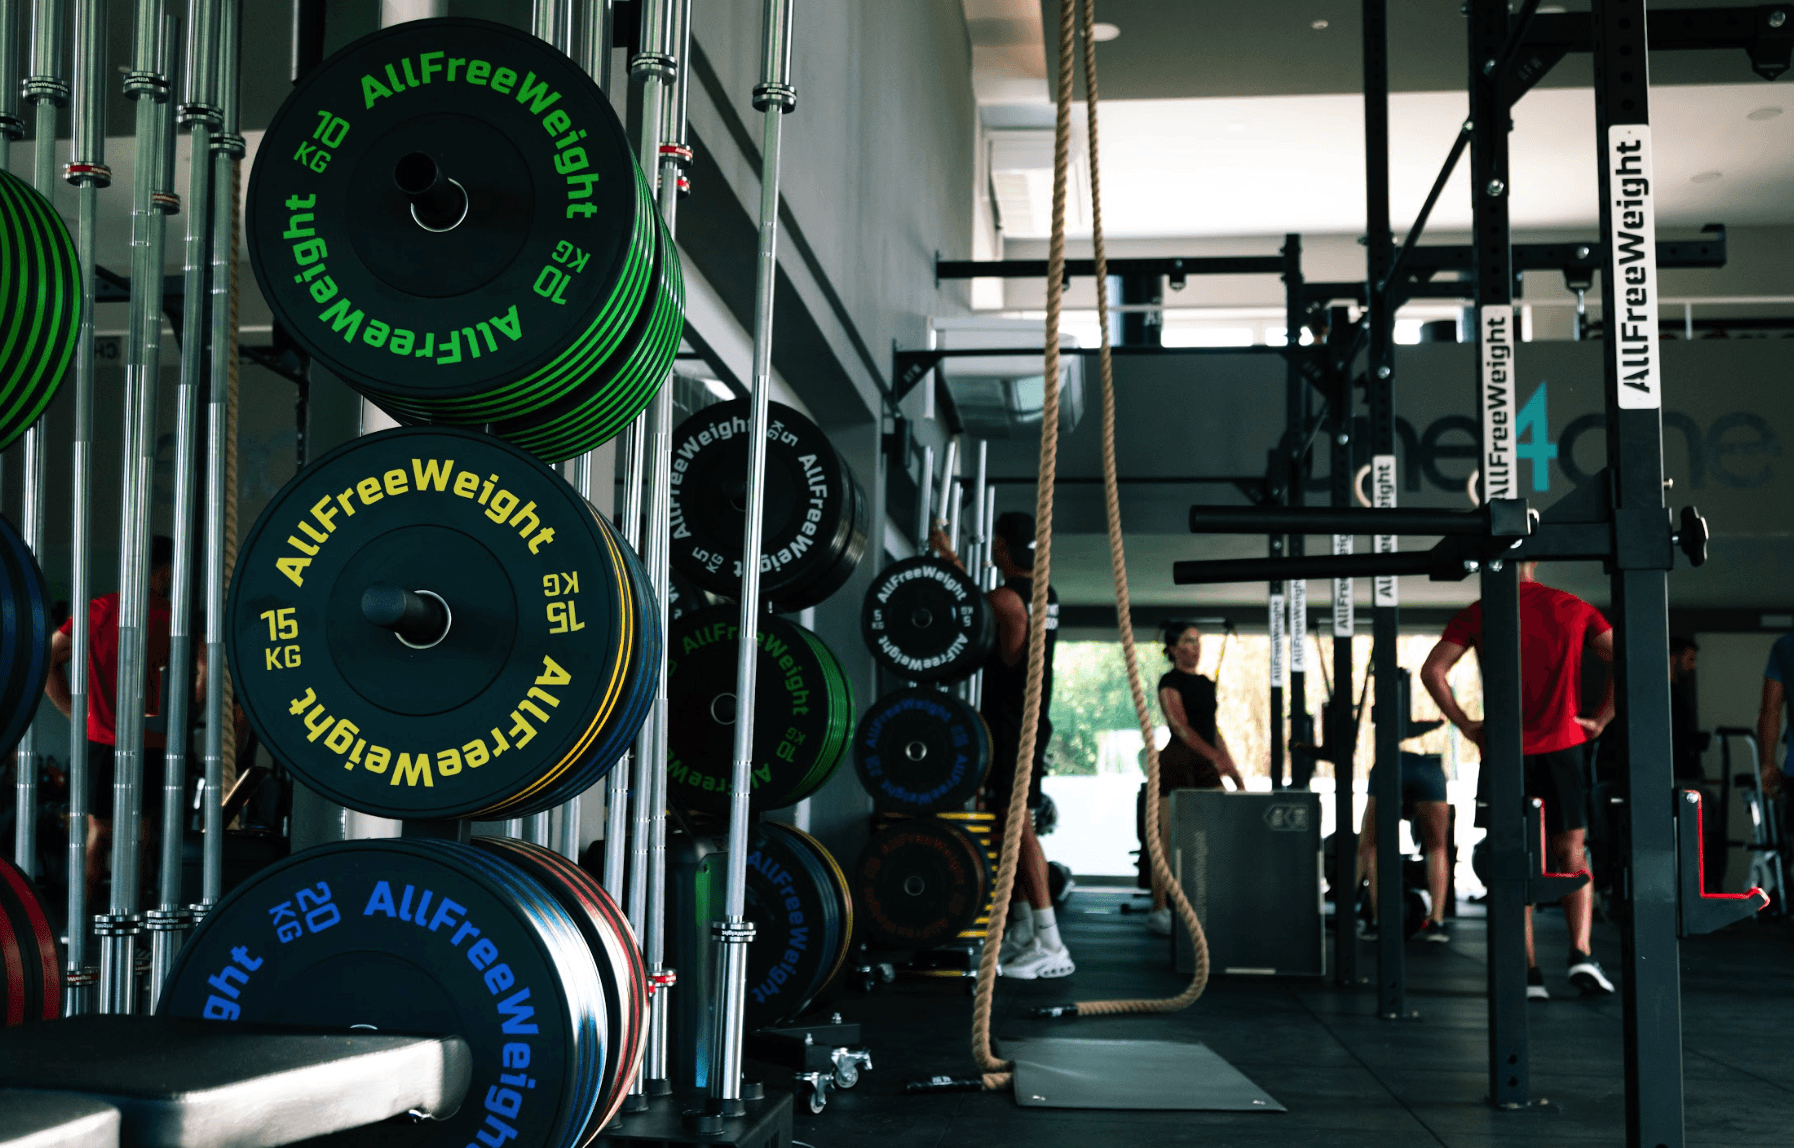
1346 1077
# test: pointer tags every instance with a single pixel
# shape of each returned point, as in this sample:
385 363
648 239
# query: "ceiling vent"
1021 183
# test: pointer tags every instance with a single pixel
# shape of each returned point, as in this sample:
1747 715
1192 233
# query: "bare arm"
1602 645
1769 732
1434 675
56 685
937 542
1012 623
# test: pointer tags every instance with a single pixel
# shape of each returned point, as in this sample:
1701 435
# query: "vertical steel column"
1281 473
1650 979
1341 723
773 97
1392 979
47 91
674 155
199 111
596 36
227 149
147 85
1503 744
88 172
1295 481
552 20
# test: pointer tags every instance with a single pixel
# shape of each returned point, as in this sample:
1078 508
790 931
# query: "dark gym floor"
1346 1077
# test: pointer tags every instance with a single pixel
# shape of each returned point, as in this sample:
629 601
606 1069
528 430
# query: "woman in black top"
1196 757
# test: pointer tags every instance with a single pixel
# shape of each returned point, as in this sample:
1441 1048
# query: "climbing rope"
997 1072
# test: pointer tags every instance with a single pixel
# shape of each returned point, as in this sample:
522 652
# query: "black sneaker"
1434 932
1535 985
1586 975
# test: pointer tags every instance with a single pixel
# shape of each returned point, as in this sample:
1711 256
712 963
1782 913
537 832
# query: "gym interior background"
923 138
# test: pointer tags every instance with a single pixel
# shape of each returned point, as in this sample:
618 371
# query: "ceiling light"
1705 177
1319 25
1767 113
1103 33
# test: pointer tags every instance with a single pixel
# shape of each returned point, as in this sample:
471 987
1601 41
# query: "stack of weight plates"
921 751
30 962
988 833
802 912
40 305
920 883
925 621
432 624
803 712
448 215
24 637
815 521
520 956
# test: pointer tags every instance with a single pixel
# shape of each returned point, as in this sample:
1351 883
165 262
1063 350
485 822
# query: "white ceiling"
1268 164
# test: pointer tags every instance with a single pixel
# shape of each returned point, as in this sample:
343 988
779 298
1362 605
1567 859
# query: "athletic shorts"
1423 778
1559 780
1180 767
999 783
100 779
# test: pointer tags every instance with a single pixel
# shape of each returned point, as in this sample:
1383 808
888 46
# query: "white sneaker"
1039 963
1159 921
1015 943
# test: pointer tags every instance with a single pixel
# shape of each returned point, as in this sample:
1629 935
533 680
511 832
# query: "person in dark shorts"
1556 630
102 703
1777 756
1032 948
1423 787
1196 757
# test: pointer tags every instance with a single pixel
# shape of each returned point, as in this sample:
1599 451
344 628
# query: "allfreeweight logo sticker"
1298 626
1342 592
1275 624
1495 395
1632 263
1382 495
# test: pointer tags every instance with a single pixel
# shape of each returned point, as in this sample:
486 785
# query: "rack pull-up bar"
1174 267
1503 518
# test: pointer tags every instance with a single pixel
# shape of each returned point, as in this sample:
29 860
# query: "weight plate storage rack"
487 941
429 624
926 621
448 215
816 520
24 637
802 911
30 958
803 714
921 751
40 305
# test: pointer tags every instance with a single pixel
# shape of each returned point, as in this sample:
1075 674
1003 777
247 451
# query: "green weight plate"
40 305
530 680
796 712
453 306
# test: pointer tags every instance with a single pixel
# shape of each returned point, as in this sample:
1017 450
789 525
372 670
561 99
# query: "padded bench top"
55 1120
182 1083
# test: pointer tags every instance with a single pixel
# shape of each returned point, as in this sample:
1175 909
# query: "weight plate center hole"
722 709
914 885
738 496
419 619
922 618
915 751
438 203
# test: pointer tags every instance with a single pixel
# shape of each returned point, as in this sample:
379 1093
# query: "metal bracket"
1542 884
1698 910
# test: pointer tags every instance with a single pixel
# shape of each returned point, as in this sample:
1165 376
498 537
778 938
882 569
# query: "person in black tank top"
1196 757
1032 947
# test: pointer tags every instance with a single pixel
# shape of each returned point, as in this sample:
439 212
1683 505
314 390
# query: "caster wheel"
818 1100
887 973
847 1074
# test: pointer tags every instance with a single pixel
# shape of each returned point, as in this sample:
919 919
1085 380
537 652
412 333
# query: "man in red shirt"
102 701
1555 629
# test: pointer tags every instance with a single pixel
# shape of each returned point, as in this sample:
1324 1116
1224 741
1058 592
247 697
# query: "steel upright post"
227 149
199 112
773 97
1392 977
1295 482
1341 724
1650 977
11 126
1503 745
1284 478
88 172
47 91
